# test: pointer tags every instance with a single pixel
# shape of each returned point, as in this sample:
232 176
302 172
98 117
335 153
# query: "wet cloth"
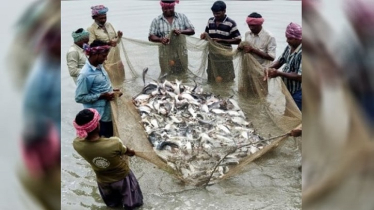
263 41
91 83
105 156
125 193
75 59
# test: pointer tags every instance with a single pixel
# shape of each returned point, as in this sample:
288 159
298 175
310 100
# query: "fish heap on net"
191 130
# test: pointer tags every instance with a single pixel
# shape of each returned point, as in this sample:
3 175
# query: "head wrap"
83 130
254 21
361 12
95 50
294 31
80 35
99 10
168 4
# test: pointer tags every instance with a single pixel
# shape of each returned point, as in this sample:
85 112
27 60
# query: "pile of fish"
192 131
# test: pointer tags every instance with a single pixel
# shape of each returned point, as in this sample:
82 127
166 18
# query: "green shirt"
105 156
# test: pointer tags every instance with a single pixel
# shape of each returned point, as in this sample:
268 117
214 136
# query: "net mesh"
195 61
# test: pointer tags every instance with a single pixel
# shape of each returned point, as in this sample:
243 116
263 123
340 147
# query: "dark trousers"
106 129
297 98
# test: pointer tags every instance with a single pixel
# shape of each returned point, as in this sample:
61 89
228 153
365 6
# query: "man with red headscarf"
262 44
291 59
117 184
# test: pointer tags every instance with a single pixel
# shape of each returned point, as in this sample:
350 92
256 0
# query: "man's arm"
270 50
82 93
249 49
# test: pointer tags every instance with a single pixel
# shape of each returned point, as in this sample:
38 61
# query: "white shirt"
263 41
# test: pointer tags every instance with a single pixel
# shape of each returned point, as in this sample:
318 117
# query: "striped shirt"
225 30
161 27
293 65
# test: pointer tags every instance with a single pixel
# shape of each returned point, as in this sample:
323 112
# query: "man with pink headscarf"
169 21
101 29
262 43
117 184
291 59
161 27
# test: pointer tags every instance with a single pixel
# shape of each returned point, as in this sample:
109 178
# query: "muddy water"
271 182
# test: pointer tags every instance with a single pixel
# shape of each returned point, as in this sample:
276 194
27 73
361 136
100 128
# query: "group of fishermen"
85 60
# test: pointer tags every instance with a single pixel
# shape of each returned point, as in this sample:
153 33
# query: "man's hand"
117 91
165 40
296 132
130 152
216 39
112 43
107 96
202 36
248 49
119 34
270 73
177 31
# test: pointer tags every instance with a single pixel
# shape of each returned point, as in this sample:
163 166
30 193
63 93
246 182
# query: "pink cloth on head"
294 31
95 50
99 10
361 12
83 130
254 21
42 156
169 5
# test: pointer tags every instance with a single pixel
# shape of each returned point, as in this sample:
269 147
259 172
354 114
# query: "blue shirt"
42 97
91 83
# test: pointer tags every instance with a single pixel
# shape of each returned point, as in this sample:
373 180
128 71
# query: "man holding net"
94 89
172 55
261 43
224 32
116 182
104 31
291 59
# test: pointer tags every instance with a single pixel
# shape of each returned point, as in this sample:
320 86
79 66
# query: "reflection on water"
272 182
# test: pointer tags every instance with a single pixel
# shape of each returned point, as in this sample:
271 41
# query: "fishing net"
159 78
114 67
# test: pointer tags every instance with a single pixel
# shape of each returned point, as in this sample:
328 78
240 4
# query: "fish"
191 130
163 144
145 70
